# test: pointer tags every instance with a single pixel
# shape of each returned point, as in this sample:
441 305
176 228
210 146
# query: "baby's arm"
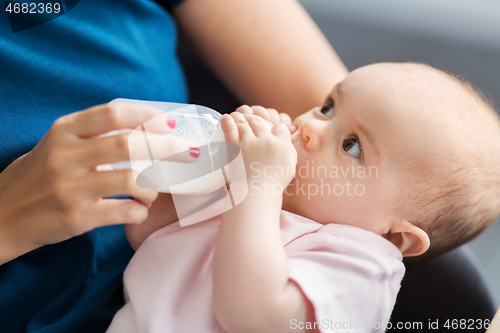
252 292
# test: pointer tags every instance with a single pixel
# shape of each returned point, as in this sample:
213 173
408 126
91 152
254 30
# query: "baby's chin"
291 205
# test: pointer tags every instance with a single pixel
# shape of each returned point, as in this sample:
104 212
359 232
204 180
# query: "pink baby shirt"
350 275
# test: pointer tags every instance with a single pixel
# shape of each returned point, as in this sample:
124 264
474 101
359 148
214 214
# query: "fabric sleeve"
350 287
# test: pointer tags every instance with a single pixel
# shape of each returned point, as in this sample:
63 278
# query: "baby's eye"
327 109
352 147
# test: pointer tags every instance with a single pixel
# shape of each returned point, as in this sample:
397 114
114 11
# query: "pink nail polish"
170 122
194 151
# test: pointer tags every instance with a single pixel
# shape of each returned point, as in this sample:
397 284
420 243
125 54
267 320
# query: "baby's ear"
409 239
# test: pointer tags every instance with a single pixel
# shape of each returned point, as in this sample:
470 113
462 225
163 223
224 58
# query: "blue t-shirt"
97 51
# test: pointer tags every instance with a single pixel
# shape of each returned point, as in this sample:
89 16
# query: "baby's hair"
459 196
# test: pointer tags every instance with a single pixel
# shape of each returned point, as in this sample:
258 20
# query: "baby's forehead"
411 90
403 78
415 108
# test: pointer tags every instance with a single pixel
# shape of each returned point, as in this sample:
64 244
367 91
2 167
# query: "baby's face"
356 150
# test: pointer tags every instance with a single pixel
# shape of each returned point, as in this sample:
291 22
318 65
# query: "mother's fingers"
117 182
167 146
105 118
137 145
114 211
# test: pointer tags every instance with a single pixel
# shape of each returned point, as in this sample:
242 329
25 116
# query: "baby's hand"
269 156
270 115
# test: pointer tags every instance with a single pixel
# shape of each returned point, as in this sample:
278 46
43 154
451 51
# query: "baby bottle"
197 124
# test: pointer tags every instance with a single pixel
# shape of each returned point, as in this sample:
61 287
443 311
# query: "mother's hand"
55 192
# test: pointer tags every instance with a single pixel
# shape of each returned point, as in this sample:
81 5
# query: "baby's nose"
311 133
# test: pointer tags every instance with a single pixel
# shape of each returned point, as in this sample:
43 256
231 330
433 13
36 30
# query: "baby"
402 160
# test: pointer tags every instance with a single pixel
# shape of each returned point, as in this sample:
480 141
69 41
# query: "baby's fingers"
270 115
243 125
244 109
281 131
257 124
231 132
285 119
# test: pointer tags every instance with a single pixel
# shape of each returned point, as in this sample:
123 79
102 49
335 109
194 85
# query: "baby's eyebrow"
365 131
368 134
339 90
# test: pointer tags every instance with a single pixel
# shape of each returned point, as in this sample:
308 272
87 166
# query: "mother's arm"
268 52
55 192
